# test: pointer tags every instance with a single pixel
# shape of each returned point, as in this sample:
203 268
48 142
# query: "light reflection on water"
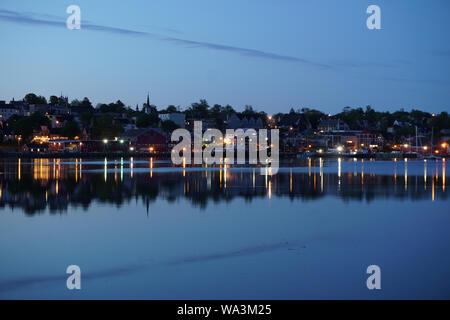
161 231
312 179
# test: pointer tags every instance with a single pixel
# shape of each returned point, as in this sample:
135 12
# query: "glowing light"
340 148
443 176
131 167
339 167
290 180
106 169
105 141
425 174
151 167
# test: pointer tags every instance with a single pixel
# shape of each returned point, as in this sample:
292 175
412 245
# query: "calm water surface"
147 230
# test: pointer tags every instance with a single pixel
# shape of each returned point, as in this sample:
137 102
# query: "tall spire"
148 99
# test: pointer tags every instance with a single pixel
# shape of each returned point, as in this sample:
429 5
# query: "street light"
105 141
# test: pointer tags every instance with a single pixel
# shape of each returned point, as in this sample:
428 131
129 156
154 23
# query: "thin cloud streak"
33 19
13 284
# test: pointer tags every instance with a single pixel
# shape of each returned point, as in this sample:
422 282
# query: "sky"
271 54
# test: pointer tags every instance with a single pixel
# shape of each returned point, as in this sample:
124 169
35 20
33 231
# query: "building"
145 140
58 110
234 122
347 139
206 124
369 140
56 121
7 110
147 107
177 118
294 122
35 147
331 124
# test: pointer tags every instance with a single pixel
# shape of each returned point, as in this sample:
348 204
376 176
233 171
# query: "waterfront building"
331 124
145 140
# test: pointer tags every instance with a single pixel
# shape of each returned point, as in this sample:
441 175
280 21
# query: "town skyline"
60 125
237 108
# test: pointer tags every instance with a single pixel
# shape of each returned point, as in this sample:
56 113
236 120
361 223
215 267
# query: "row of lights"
443 146
105 141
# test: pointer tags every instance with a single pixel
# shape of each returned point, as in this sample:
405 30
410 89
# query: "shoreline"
118 155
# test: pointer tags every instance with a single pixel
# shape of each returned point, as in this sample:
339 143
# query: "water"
147 230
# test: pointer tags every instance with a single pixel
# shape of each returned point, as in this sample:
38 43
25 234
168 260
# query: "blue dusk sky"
273 55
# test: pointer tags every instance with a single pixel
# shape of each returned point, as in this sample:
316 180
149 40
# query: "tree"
86 103
199 109
105 128
146 120
32 98
71 129
169 126
439 122
54 100
313 116
118 107
86 118
25 126
171 109
248 111
75 103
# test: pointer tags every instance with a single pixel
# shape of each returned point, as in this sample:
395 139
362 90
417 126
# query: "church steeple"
146 107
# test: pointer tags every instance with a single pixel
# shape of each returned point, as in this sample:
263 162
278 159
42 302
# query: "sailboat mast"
432 133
